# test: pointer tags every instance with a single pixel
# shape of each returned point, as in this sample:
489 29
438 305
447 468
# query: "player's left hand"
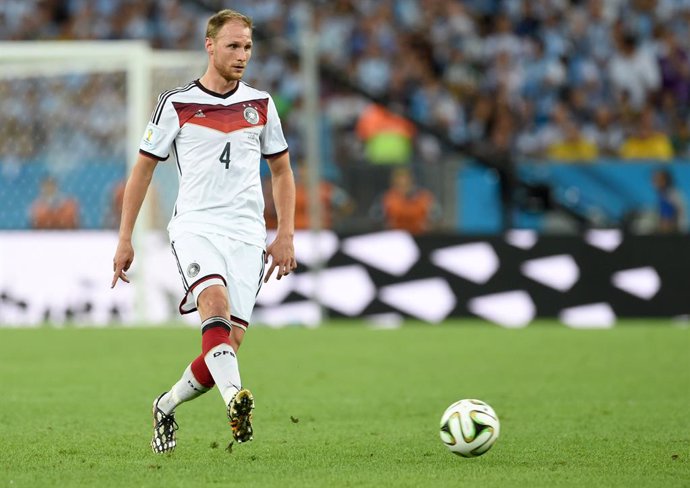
282 253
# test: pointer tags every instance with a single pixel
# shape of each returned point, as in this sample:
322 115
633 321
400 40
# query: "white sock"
188 388
223 365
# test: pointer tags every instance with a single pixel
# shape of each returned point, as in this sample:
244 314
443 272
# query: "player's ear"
209 46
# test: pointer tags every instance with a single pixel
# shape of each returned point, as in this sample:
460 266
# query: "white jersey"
217 142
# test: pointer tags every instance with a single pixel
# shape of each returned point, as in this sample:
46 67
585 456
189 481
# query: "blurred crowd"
563 80
86 122
552 79
566 79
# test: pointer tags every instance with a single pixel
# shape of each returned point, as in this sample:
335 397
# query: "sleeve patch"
152 136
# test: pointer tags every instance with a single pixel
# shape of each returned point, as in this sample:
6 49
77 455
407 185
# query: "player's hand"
124 255
282 254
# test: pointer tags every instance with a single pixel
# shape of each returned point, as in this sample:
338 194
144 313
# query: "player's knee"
213 301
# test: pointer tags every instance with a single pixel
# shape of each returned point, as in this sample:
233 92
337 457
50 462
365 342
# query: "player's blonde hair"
216 23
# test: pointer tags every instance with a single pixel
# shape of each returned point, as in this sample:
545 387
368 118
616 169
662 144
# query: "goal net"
73 114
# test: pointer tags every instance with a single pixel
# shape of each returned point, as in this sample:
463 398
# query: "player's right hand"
282 253
124 255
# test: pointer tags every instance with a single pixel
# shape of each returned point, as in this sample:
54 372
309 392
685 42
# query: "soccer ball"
469 428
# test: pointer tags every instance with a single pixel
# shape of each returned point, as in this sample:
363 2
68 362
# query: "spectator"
634 71
501 39
670 203
505 75
572 145
600 14
52 209
544 77
605 132
435 105
675 68
406 206
387 136
562 140
334 202
374 70
647 142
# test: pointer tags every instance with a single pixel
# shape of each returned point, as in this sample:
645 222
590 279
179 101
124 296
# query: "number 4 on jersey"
225 156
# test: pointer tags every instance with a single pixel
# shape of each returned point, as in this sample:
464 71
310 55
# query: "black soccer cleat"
164 427
240 415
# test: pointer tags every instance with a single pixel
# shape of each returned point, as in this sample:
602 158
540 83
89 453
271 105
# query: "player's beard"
228 73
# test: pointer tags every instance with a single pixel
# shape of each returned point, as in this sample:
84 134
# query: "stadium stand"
560 82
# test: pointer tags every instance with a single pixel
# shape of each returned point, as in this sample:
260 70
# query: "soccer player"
217 128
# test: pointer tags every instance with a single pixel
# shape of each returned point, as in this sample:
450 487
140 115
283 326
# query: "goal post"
80 109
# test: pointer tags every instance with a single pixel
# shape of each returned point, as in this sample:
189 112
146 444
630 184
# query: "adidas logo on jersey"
199 113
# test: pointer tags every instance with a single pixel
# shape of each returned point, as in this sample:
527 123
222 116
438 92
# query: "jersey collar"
214 94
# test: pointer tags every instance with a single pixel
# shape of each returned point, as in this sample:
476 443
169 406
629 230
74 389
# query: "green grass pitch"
347 405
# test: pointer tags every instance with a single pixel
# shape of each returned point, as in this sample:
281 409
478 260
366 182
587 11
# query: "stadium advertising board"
589 281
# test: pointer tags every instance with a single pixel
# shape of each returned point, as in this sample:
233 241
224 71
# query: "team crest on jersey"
193 270
251 115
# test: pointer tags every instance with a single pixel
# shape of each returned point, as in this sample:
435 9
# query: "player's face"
230 50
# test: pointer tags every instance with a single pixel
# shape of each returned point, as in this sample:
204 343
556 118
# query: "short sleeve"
273 141
161 130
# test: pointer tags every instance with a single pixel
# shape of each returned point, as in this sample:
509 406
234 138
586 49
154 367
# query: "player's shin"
220 357
187 388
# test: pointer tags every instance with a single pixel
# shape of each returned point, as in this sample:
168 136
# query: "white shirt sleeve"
161 130
272 138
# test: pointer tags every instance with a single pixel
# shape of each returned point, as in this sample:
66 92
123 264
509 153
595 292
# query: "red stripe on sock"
201 372
214 337
209 339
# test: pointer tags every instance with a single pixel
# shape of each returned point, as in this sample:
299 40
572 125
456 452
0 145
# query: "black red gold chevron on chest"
223 118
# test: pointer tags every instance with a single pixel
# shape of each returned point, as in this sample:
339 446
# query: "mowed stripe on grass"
345 405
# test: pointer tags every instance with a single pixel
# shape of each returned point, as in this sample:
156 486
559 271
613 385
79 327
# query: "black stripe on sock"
213 322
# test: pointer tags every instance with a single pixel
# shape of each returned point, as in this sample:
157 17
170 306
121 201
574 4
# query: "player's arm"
135 191
282 250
